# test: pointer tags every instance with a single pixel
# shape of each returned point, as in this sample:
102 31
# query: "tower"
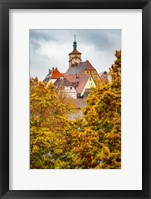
74 56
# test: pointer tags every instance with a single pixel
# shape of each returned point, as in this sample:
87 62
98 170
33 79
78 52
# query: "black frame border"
5 5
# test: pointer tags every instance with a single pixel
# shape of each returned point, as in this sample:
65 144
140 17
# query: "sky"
50 48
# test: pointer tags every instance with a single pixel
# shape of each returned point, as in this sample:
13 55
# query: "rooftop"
75 52
53 74
78 81
56 74
79 69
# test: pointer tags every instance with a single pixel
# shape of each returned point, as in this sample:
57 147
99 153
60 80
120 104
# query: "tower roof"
75 52
75 47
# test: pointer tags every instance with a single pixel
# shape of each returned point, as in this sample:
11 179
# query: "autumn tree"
97 143
48 126
93 141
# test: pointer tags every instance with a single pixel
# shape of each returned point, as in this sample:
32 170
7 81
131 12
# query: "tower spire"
74 43
74 56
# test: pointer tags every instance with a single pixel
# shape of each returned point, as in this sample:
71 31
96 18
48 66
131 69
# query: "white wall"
51 81
70 92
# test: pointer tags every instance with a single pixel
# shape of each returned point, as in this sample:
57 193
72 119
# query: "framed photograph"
75 99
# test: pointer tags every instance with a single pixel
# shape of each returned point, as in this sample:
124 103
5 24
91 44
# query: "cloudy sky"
50 48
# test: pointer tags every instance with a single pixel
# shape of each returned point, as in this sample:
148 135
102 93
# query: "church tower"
74 56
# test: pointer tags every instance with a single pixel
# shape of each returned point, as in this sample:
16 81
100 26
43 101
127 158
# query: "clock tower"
74 56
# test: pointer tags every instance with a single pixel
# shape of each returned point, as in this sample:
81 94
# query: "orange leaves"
85 145
93 141
48 126
103 115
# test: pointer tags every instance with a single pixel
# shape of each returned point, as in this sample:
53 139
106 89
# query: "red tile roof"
56 74
75 52
79 80
89 66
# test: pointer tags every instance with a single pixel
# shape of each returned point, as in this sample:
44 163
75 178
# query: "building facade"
79 77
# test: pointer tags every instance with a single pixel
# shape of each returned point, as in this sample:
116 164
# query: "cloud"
50 48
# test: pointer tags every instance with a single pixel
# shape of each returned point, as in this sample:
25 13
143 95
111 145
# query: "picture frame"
4 102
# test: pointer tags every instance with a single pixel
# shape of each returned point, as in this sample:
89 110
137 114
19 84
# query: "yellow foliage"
91 142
